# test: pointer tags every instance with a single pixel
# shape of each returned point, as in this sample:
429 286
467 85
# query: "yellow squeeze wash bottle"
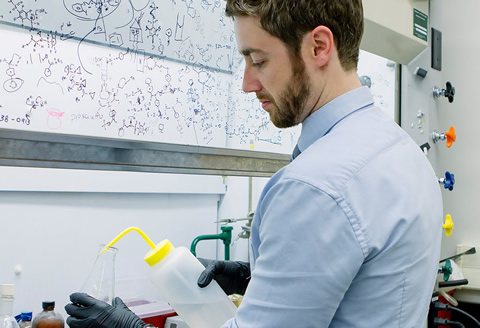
175 272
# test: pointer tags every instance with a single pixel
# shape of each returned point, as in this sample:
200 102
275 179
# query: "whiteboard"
185 30
381 72
127 95
63 72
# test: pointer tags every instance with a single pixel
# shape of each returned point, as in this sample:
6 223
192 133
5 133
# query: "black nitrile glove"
88 312
232 276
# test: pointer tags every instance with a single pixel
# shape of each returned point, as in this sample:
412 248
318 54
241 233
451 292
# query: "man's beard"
292 101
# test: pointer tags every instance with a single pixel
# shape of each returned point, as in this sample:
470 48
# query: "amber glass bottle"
48 318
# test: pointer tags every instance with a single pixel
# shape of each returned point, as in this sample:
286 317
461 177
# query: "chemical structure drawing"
153 28
112 119
13 83
136 70
25 16
126 24
34 103
39 42
169 34
91 10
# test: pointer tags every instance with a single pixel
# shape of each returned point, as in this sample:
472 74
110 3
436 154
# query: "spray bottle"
175 271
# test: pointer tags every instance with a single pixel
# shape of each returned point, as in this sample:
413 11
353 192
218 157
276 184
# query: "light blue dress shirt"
348 234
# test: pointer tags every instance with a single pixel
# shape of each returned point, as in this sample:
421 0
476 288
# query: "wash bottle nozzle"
124 232
155 255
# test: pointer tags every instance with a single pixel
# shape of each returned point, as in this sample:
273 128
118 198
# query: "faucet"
225 235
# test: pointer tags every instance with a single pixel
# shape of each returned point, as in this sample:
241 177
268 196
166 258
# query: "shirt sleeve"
308 257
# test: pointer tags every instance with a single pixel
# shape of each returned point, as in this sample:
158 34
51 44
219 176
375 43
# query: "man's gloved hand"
88 312
232 276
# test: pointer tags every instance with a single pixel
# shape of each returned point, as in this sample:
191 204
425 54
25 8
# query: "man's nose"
250 81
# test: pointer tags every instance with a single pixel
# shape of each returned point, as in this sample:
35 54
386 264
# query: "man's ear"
322 45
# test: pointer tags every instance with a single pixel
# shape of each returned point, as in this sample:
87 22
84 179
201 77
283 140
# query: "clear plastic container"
7 320
175 272
48 318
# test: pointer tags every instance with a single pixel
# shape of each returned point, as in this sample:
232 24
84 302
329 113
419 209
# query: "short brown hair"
289 20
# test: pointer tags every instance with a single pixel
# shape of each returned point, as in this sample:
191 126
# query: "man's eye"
257 64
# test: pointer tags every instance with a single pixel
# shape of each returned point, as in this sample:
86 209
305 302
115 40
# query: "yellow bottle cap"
158 253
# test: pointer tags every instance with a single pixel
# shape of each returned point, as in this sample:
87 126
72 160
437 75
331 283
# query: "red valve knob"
451 137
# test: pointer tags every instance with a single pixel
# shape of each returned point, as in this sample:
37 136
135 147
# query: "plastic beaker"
101 280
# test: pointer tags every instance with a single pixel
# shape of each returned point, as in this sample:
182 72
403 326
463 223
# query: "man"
348 234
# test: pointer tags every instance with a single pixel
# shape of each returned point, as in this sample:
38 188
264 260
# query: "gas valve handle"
448 225
449 135
449 181
446 269
449 92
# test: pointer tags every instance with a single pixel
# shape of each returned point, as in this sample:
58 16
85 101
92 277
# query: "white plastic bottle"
175 272
7 320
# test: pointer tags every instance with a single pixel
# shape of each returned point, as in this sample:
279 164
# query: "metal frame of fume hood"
51 150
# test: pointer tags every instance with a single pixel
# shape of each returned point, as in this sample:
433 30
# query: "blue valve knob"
449 180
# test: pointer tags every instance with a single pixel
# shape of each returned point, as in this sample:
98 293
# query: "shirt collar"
322 120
